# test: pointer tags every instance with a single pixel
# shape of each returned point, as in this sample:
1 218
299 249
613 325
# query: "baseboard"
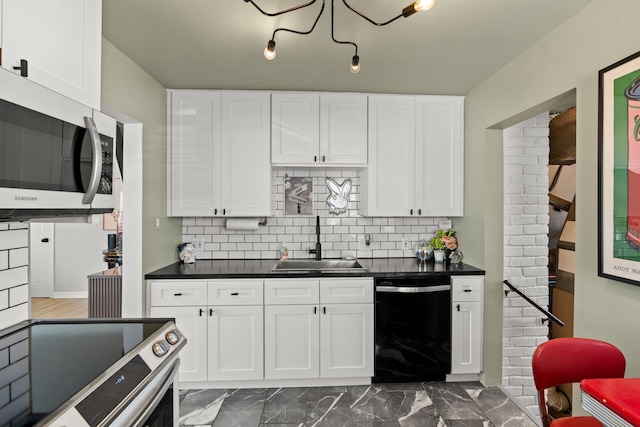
81 294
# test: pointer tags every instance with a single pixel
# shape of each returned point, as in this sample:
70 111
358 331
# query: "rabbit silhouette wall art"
339 197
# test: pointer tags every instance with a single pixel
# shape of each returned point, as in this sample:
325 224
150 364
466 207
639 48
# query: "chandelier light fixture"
270 50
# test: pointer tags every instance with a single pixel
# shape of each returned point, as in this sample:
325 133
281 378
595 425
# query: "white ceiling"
218 44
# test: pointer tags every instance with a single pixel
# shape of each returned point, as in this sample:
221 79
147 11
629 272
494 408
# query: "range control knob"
173 337
160 348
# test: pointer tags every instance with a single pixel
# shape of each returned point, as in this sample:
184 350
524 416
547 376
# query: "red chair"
571 360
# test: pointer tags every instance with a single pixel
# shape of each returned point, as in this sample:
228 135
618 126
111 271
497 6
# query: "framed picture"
298 196
619 171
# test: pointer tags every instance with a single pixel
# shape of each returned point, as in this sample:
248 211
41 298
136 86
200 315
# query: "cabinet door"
389 180
291 341
343 128
466 337
61 41
295 128
346 340
439 155
235 343
192 322
194 153
246 168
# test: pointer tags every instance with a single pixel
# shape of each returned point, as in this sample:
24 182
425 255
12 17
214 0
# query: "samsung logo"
26 198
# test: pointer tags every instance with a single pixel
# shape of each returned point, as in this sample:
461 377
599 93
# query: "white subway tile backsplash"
339 233
14 272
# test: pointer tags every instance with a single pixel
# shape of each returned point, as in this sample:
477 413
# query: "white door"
390 177
346 340
60 40
291 341
192 322
245 167
466 337
439 155
194 151
343 128
41 260
295 128
235 338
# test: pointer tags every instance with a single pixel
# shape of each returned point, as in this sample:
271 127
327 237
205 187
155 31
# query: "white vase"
438 255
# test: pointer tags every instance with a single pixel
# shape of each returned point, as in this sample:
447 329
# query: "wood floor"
59 308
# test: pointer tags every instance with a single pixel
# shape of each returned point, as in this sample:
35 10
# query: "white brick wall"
339 233
14 273
526 227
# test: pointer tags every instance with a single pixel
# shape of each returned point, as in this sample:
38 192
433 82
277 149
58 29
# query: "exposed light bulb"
270 50
423 4
355 64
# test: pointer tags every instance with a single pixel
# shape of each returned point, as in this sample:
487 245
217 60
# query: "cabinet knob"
24 68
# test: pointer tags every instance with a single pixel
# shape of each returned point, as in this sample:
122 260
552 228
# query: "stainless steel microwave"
50 167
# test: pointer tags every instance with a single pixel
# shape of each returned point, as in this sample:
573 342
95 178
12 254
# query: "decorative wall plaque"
298 195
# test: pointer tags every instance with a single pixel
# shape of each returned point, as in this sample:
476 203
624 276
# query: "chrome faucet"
318 249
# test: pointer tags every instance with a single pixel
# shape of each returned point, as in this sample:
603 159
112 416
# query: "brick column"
526 227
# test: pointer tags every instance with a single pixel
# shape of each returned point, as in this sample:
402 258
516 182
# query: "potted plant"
443 241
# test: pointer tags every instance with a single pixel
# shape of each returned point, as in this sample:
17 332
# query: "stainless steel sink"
327 265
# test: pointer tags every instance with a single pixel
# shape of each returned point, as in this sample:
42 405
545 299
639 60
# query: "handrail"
533 303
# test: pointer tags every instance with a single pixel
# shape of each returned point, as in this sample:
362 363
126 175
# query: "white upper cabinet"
58 41
321 129
415 156
194 153
218 153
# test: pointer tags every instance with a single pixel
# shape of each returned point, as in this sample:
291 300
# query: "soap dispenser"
284 253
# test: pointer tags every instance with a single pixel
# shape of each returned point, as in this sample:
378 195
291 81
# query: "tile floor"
434 404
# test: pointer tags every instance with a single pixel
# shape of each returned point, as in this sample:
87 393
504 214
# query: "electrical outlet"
198 244
405 243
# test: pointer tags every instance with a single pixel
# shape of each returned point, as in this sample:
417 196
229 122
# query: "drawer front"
178 293
236 292
291 291
467 288
346 290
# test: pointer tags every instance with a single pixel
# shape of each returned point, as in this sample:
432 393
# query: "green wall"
564 65
127 88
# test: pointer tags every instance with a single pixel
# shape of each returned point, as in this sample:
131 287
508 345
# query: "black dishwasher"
412 329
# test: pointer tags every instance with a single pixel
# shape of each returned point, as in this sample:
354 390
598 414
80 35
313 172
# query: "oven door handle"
413 290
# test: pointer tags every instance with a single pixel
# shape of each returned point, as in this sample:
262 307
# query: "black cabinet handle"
411 211
179 294
419 211
233 294
458 307
45 240
24 68
201 311
324 310
467 290
215 211
315 309
224 211
211 312
323 159
315 159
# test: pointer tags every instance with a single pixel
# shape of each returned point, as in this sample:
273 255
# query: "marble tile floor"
433 404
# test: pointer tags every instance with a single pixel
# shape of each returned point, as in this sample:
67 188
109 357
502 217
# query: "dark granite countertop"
253 268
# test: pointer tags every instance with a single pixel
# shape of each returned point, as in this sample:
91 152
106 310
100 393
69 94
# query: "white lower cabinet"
467 324
310 334
225 340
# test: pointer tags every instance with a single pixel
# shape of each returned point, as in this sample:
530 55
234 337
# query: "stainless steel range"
89 372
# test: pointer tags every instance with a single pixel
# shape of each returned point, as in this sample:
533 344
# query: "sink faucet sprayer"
318 249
